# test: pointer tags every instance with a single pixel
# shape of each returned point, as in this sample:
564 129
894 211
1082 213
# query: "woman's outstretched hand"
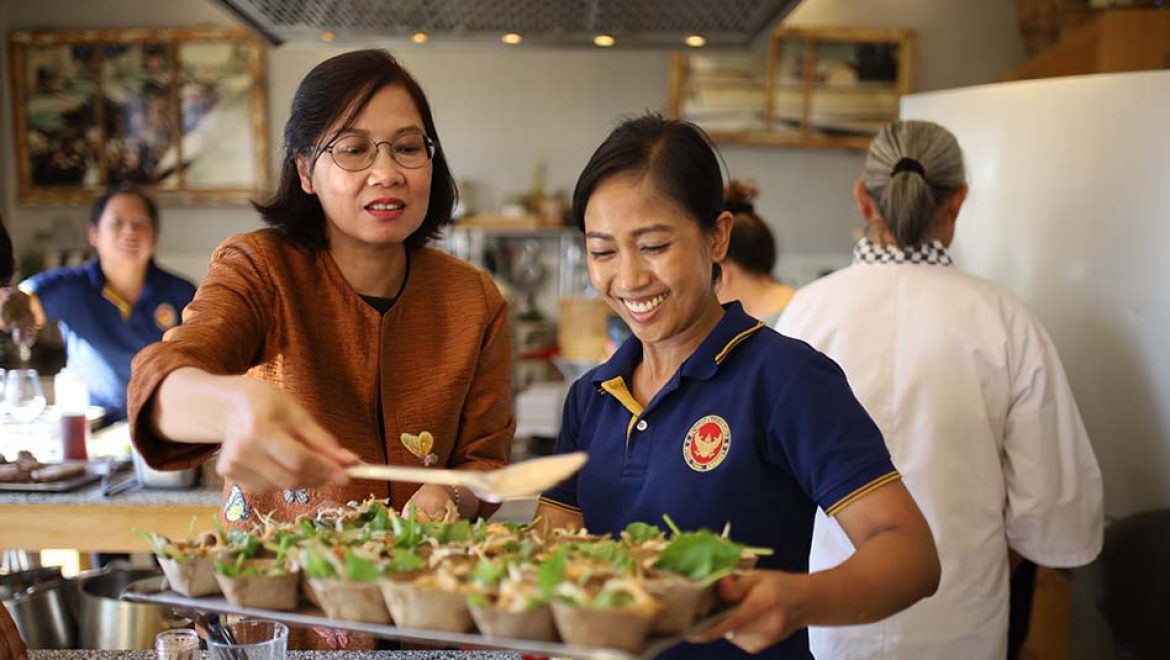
271 442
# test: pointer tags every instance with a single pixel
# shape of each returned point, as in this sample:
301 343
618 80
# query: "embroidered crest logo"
707 443
165 317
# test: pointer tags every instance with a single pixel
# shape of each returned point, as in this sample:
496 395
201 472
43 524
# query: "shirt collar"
733 328
933 253
97 278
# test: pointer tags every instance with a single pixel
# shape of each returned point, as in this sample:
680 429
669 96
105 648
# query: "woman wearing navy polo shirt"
708 416
113 306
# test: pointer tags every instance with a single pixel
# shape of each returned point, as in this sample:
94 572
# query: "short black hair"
99 205
339 89
680 159
7 260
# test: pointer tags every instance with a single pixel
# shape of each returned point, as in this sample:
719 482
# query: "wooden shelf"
754 105
1116 40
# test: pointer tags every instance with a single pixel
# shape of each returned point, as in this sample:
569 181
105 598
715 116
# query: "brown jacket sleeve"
487 423
222 333
11 645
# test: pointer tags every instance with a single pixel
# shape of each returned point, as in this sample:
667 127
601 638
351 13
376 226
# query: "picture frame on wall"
831 87
180 112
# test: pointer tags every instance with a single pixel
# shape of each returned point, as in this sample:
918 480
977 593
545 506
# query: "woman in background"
706 415
970 396
112 307
751 255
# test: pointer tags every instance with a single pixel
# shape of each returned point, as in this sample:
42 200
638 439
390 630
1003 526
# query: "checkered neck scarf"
868 252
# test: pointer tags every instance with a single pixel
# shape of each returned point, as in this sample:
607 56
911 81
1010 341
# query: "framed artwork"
181 112
814 87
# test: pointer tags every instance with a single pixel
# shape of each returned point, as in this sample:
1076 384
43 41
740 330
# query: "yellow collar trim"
735 341
617 387
124 307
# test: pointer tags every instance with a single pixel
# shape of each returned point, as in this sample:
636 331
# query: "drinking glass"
255 639
177 644
23 396
24 338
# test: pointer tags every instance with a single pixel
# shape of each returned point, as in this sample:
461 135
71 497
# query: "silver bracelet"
456 496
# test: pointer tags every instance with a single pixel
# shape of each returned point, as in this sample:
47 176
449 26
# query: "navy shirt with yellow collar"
102 331
755 429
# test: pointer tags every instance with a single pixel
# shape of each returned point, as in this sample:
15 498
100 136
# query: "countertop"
85 520
517 510
92 496
292 655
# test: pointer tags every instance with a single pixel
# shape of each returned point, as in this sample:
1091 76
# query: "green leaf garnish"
487 573
608 600
699 556
359 568
404 560
640 532
317 566
551 572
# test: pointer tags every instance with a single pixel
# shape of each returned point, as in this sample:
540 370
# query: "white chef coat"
968 390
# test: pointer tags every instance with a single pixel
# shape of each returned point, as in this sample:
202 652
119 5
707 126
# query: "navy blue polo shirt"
755 429
102 331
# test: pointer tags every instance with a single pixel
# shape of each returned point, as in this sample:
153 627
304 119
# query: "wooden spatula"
518 480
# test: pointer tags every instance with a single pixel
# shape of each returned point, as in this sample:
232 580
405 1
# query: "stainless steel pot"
109 623
152 478
40 605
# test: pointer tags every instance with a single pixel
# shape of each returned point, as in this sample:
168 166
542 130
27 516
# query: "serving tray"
92 473
153 590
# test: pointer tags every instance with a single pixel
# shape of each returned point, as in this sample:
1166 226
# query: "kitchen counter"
85 520
292 655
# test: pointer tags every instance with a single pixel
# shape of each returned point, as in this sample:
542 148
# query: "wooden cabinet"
1115 40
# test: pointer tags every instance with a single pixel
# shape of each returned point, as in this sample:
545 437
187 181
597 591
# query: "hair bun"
739 196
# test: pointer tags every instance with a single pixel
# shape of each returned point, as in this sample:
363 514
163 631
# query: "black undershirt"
383 305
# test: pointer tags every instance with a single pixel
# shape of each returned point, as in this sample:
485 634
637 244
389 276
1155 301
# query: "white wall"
501 110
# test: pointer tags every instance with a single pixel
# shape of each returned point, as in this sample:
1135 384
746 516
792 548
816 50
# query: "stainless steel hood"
631 23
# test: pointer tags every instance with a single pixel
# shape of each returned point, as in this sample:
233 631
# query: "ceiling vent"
630 23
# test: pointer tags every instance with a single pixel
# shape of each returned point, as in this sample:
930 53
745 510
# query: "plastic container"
71 398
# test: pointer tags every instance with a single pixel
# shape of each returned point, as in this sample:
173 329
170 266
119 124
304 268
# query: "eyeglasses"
355 153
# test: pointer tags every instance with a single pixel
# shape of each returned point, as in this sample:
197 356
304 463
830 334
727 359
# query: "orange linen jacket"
438 361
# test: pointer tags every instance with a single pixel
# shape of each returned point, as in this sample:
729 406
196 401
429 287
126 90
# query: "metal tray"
152 590
93 472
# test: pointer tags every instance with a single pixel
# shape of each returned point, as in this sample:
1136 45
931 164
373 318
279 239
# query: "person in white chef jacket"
969 392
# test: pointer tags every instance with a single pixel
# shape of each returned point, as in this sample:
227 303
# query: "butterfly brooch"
421 445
